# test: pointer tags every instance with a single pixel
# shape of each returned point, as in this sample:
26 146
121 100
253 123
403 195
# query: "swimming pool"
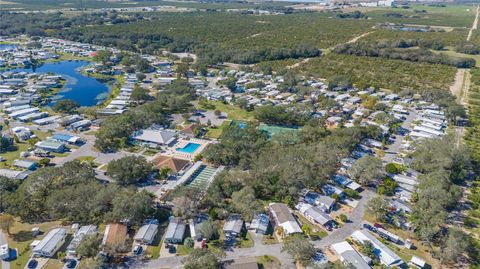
189 148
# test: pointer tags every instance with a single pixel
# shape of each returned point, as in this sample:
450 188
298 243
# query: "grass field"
233 112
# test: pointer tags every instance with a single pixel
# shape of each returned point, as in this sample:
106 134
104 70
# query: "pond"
86 91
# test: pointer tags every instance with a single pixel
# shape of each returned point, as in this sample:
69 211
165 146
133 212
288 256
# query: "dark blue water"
86 91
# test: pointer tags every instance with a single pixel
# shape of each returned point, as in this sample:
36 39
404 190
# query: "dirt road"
475 24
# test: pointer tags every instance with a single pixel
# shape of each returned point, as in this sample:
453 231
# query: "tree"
300 248
141 76
209 229
131 205
246 203
44 162
378 207
367 170
203 258
454 245
189 243
129 170
66 106
6 222
140 94
90 245
186 201
102 56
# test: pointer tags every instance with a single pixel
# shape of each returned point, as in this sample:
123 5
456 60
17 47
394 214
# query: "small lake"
86 91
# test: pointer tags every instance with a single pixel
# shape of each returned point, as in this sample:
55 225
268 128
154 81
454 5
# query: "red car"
378 225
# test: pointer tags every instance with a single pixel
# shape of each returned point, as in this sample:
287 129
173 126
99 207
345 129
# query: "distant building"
51 243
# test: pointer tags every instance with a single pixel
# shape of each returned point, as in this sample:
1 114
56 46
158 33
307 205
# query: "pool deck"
173 152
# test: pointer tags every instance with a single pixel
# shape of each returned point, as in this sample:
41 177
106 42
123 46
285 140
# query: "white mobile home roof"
386 255
146 233
349 255
47 120
49 243
22 112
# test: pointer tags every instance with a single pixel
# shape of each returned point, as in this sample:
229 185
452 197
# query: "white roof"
155 136
418 261
349 255
50 241
386 255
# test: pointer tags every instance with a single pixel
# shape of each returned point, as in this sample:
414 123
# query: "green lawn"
316 230
182 250
216 132
233 112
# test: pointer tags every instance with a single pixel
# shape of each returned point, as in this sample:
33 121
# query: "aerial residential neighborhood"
239 134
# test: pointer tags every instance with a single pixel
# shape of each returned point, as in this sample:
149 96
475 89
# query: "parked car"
378 225
32 264
137 250
71 263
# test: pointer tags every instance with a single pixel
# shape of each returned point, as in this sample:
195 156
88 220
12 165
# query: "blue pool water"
189 148
87 91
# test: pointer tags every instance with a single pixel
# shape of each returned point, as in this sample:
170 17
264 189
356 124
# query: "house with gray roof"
154 138
146 234
233 226
175 231
51 243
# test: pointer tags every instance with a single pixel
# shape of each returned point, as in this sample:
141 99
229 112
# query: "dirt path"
326 51
355 39
475 24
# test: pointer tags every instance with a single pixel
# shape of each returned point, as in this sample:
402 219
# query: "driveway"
3 241
394 148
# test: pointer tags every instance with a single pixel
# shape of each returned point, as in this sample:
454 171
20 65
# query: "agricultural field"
473 132
448 38
396 75
93 4
451 15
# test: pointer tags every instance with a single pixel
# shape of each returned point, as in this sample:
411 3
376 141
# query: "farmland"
453 16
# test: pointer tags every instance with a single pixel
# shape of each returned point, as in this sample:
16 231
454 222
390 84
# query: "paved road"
394 148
